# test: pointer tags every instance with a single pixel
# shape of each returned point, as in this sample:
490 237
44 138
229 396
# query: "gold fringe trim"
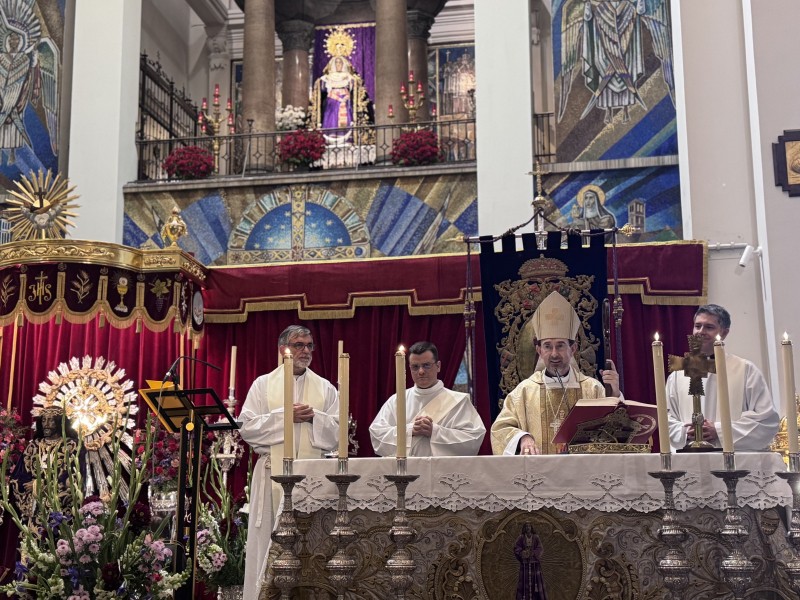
60 312
407 298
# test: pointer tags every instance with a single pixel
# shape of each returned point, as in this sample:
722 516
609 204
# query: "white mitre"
555 319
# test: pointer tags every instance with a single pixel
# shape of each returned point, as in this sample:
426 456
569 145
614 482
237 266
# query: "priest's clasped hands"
303 413
709 432
423 426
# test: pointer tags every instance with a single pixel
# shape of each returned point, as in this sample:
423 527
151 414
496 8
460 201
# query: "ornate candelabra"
400 564
674 567
211 124
792 476
341 566
287 566
737 569
412 98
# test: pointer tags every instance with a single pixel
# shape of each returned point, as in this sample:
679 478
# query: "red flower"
302 147
189 162
416 148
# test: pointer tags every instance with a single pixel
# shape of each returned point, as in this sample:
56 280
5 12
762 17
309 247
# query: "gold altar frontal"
599 538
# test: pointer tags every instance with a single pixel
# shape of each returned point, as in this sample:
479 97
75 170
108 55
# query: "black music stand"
177 411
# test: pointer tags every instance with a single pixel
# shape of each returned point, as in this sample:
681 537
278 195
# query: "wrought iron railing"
164 111
251 154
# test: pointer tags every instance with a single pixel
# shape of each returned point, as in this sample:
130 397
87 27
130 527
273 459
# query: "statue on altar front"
339 100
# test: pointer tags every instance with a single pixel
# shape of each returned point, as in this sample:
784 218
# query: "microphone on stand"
171 372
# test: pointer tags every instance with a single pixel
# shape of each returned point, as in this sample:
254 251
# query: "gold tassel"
58 317
101 320
20 320
139 325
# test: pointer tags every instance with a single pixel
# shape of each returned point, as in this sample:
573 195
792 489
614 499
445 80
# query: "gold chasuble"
539 408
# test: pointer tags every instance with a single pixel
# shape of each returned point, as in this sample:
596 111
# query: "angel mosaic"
603 39
29 65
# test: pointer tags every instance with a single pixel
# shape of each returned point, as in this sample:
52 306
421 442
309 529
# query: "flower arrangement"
221 526
302 147
163 461
13 436
90 548
289 118
189 162
419 147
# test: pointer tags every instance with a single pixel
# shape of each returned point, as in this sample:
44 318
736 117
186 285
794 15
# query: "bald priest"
534 411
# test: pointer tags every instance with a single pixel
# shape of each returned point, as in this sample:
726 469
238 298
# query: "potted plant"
302 147
414 148
189 162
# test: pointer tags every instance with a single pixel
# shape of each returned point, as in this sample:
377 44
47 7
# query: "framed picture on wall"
451 80
786 161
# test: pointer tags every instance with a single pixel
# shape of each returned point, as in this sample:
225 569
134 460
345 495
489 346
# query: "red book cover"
608 420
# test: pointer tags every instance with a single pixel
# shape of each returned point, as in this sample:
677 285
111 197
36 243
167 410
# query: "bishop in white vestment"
439 422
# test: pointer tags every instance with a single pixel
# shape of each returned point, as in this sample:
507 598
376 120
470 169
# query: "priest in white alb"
533 412
754 419
440 422
316 426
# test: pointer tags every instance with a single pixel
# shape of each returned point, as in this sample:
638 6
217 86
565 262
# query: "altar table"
597 517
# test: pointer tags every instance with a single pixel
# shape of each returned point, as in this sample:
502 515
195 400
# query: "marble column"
258 81
297 38
419 31
391 69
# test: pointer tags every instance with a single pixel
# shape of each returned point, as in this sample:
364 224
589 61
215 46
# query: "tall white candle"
723 399
288 406
400 380
232 381
344 404
661 396
789 392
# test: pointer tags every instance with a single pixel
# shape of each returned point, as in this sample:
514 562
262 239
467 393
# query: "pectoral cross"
555 425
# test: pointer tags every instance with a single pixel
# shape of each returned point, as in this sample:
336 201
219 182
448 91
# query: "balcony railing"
544 137
253 154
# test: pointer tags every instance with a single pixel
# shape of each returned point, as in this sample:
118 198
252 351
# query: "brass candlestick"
341 566
400 564
792 476
412 98
213 123
287 566
674 567
737 569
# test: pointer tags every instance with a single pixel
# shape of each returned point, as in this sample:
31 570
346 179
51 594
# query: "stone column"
297 38
258 80
391 69
419 30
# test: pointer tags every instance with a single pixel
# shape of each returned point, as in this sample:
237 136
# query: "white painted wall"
165 37
105 93
504 108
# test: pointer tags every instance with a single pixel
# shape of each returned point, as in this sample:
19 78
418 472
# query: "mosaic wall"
614 83
311 221
31 46
648 198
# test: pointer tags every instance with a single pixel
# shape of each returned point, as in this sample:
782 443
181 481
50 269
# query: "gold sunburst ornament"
41 207
339 43
99 402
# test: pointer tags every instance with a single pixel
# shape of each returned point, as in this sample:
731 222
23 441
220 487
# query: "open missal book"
609 425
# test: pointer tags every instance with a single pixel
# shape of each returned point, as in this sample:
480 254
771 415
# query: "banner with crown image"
514 282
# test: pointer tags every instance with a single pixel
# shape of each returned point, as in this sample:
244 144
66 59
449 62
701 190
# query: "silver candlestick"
737 569
400 564
674 567
341 566
287 566
792 476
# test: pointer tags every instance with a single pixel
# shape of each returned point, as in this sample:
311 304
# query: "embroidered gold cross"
554 315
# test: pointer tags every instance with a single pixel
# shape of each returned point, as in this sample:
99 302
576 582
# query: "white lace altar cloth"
608 483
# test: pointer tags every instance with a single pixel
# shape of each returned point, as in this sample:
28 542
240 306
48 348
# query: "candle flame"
287 353
785 337
401 349
656 337
719 339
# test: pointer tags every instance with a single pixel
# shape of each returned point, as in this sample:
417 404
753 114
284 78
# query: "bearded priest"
534 411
